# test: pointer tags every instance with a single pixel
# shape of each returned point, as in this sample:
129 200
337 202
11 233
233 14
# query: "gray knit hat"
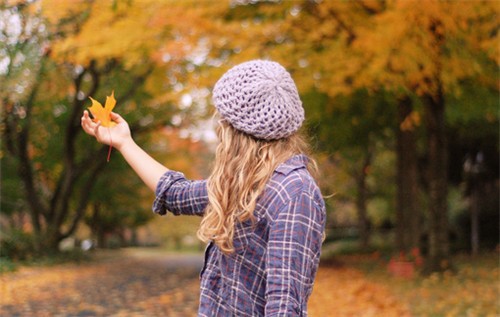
259 98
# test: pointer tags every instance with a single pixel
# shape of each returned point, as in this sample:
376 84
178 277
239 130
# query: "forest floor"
135 282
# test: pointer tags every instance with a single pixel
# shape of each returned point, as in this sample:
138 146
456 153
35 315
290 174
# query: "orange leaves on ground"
471 291
103 114
145 283
363 287
346 292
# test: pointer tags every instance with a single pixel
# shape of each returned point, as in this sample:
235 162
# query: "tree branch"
84 198
60 198
9 127
138 80
351 35
370 9
25 168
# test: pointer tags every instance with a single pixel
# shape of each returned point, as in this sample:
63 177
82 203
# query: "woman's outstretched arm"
148 169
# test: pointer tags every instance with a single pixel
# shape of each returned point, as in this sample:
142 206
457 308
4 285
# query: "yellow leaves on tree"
131 31
423 47
411 121
103 114
55 10
337 47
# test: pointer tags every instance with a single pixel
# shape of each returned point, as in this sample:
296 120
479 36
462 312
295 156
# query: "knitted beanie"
259 98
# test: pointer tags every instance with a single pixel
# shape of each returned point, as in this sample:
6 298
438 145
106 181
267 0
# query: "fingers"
89 126
92 128
86 122
117 118
96 129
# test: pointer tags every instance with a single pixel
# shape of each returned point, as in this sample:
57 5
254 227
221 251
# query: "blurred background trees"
401 99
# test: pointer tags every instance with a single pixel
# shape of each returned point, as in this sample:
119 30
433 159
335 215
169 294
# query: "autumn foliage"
356 63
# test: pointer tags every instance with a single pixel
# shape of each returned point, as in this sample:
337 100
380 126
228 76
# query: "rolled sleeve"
294 247
179 195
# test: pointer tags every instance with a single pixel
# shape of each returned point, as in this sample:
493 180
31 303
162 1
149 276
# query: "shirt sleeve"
179 195
294 247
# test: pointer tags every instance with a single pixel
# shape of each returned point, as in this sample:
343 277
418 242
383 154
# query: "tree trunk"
408 217
474 217
473 170
361 201
101 238
50 240
437 172
134 238
96 226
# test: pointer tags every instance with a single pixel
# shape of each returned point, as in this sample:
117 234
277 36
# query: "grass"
6 265
74 256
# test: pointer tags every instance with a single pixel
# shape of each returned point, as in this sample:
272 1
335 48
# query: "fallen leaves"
131 284
471 291
122 286
346 292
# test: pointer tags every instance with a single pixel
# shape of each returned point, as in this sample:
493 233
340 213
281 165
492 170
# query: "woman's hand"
116 136
119 136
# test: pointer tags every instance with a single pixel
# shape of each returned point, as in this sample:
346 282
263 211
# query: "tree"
360 121
474 138
409 219
118 202
431 49
56 62
415 50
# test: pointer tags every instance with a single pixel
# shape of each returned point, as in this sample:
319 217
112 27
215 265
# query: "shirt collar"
295 162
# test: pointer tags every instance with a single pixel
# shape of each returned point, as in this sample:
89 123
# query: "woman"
263 214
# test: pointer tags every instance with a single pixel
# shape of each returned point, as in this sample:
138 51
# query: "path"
124 284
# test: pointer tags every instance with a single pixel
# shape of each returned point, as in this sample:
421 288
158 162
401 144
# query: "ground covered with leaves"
139 283
115 284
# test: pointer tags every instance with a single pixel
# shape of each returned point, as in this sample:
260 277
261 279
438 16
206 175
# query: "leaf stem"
110 146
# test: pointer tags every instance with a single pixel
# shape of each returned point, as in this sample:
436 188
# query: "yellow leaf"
103 114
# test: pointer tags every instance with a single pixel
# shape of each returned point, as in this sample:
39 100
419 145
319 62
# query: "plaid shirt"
275 261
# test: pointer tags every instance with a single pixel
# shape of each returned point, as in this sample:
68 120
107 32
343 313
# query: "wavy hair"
243 165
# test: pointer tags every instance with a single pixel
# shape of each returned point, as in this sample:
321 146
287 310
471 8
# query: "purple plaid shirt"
275 261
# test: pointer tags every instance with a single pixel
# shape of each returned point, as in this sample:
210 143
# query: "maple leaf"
103 114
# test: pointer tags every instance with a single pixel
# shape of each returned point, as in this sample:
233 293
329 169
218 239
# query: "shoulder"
292 183
293 177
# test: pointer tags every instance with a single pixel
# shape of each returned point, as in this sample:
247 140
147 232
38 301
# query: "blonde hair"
243 166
